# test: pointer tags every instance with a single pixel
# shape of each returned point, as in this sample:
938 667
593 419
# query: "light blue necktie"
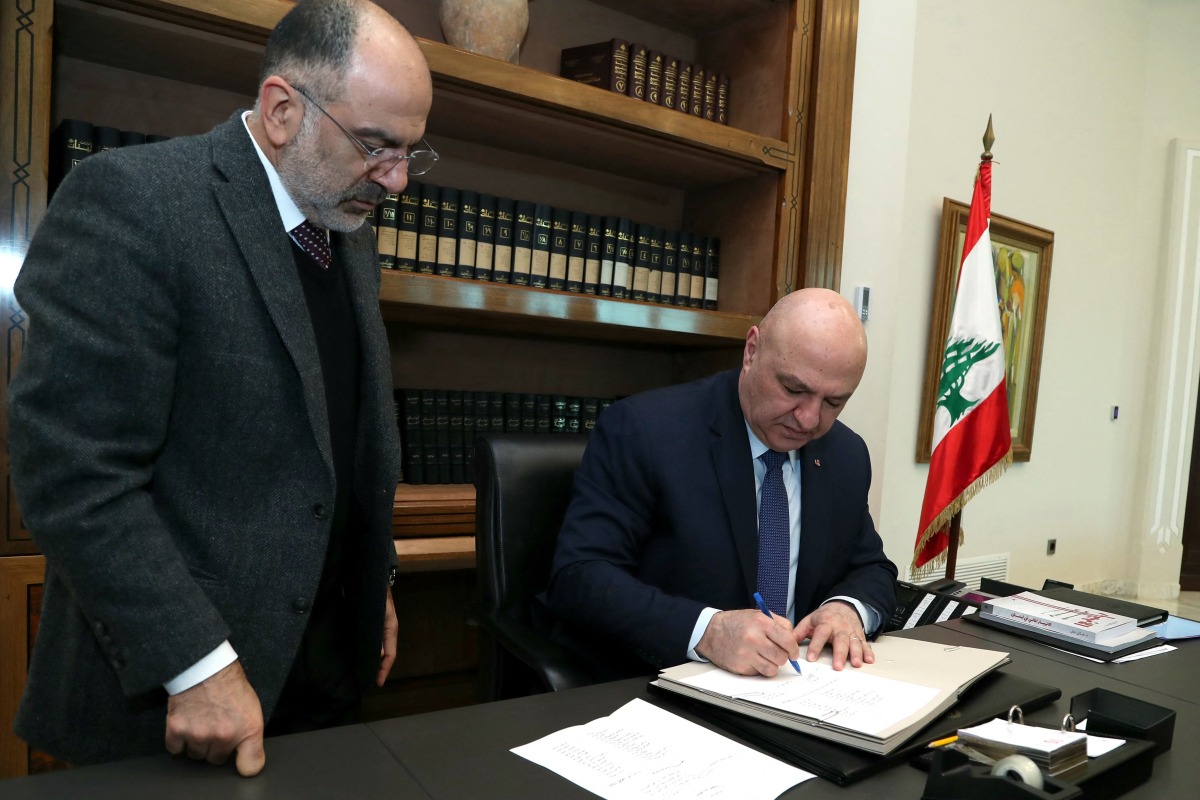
774 526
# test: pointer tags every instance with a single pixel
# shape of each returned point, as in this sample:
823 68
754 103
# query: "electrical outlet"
1051 546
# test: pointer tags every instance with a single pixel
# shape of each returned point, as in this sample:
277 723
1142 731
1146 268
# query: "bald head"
800 366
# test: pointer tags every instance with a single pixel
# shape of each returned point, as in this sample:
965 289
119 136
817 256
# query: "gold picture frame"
1022 254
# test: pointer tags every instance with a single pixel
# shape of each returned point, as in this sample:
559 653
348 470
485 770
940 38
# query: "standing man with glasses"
201 426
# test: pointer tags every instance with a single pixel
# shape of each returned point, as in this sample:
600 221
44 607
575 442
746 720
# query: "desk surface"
463 753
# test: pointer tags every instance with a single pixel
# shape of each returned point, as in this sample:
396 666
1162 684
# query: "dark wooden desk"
336 764
464 753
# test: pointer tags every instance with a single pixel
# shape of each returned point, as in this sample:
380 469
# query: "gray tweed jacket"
170 443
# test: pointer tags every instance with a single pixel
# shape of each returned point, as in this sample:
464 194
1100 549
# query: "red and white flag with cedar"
972 444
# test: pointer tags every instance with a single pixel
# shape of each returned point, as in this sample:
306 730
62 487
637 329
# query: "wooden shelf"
434 527
218 43
460 304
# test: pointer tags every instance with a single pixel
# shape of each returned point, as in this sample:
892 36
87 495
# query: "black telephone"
932 602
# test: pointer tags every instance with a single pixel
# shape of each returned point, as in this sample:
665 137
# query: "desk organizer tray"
1122 717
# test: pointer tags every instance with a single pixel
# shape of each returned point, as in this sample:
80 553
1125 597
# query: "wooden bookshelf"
771 185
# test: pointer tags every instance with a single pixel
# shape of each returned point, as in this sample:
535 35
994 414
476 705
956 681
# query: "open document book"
875 708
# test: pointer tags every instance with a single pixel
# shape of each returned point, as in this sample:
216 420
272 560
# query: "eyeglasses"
381 160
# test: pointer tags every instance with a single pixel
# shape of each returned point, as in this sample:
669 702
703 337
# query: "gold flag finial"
988 137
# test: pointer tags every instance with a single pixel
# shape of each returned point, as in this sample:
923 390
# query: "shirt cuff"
868 615
698 633
203 669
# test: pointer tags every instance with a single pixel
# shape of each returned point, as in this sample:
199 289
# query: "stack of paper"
1053 751
875 708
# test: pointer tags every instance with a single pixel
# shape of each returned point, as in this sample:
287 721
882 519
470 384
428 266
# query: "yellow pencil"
944 742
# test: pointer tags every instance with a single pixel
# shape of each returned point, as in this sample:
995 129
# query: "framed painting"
1021 255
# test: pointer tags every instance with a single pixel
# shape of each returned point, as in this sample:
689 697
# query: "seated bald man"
692 498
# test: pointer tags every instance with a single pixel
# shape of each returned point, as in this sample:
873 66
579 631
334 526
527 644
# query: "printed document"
641 752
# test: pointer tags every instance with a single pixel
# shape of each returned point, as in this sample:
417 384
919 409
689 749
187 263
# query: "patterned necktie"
313 241
774 527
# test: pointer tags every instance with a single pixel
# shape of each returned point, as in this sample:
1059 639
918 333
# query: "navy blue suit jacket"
663 523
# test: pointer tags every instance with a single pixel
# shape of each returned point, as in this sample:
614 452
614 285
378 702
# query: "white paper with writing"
641 752
849 698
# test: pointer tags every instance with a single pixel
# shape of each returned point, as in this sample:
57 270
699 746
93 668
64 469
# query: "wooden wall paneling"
828 152
20 578
25 64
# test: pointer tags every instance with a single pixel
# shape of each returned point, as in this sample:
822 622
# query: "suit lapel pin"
817 462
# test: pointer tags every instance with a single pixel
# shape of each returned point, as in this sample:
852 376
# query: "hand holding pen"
762 606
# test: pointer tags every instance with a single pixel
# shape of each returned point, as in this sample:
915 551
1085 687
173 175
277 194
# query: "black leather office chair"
523 485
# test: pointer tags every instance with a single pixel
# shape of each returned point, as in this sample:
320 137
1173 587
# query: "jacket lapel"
730 450
249 208
814 521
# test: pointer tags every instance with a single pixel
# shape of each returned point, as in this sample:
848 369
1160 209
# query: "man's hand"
746 642
391 629
836 623
215 717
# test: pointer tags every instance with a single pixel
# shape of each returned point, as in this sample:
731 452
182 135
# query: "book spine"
654 286
696 101
574 411
427 232
683 95
512 412
608 256
481 412
386 231
638 54
468 435
590 64
670 266
591 257
623 264
502 255
558 414
560 242
458 443
710 96
576 251
588 412
496 411
442 406
699 261
407 224
410 436
429 435
105 137
539 265
468 234
654 77
712 270
683 280
723 99
670 82
542 417
485 247
620 66
523 243
528 413
70 144
641 263
447 241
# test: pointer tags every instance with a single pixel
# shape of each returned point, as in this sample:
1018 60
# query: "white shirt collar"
757 448
289 212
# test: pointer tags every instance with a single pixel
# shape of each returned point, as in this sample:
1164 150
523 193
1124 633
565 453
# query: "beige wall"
1087 96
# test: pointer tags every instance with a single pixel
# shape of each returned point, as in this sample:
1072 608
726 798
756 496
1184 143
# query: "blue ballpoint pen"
763 608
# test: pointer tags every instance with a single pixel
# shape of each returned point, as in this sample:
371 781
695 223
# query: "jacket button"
99 628
319 511
117 660
301 605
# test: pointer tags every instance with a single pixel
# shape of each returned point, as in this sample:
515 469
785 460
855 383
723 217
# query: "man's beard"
310 180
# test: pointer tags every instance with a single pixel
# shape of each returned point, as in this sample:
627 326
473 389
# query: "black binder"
1079 648
990 696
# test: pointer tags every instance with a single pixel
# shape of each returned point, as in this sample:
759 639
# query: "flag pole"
989 137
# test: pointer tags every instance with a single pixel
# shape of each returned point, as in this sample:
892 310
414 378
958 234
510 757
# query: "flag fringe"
942 520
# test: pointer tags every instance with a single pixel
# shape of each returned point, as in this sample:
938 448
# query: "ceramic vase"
489 27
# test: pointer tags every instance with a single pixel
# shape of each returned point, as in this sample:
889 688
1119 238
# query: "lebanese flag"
972 445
